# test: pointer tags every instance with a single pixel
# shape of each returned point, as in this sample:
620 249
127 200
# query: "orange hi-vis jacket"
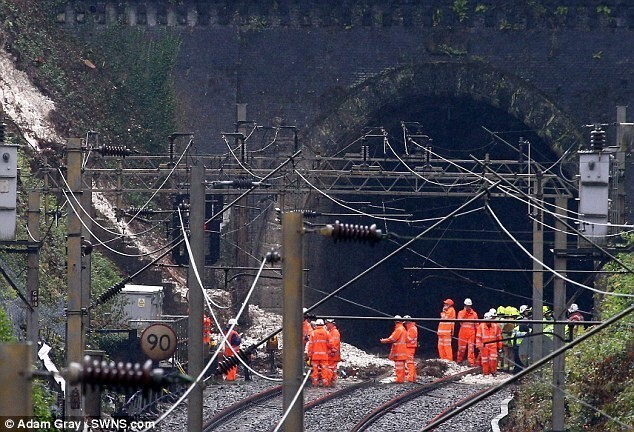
446 329
234 340
489 336
411 343
334 342
398 339
206 330
318 344
463 314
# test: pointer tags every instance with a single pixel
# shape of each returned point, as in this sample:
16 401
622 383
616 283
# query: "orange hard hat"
449 302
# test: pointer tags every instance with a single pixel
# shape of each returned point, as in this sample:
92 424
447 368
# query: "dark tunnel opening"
416 281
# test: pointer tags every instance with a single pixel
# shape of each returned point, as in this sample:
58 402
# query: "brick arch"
476 81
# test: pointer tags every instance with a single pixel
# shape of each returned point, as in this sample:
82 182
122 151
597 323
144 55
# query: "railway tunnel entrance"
468 255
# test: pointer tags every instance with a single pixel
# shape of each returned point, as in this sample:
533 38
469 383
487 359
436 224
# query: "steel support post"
92 396
86 259
195 323
293 296
240 220
559 312
538 275
74 325
15 381
33 272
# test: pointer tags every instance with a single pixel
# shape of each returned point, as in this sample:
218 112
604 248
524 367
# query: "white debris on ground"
478 378
25 105
264 323
30 110
486 379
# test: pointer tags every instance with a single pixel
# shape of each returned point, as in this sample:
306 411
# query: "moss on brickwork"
472 80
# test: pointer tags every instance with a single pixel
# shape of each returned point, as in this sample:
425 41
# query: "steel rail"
230 411
382 410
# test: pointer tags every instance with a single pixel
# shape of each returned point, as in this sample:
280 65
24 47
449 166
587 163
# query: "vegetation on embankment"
599 372
118 84
115 81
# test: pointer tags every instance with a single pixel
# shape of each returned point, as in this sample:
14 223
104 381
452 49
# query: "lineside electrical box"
594 181
8 190
143 302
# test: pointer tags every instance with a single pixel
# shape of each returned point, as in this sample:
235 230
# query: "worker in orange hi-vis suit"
206 332
231 347
398 353
411 344
489 342
334 353
467 333
306 328
318 354
445 330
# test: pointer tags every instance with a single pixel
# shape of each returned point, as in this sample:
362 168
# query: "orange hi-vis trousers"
333 365
320 370
411 365
445 351
489 358
466 345
399 370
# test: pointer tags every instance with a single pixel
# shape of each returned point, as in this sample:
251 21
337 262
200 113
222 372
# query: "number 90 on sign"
158 342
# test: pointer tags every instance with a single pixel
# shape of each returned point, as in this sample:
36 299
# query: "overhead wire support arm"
384 259
575 230
116 288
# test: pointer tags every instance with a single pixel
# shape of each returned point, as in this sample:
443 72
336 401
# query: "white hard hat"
493 312
523 308
304 310
397 318
573 308
488 315
468 302
407 317
319 322
330 320
233 321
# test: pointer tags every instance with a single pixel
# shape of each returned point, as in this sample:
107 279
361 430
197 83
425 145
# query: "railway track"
405 397
256 409
369 405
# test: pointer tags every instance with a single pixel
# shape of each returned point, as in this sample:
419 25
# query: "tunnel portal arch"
470 81
474 84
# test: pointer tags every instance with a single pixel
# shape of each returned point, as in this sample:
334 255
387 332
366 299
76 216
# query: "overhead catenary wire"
538 203
509 270
209 304
177 242
100 243
594 244
169 175
293 402
543 203
192 263
508 233
208 298
544 224
387 257
469 280
224 341
448 186
139 210
381 218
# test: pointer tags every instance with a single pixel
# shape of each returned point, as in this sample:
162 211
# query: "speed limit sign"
158 341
